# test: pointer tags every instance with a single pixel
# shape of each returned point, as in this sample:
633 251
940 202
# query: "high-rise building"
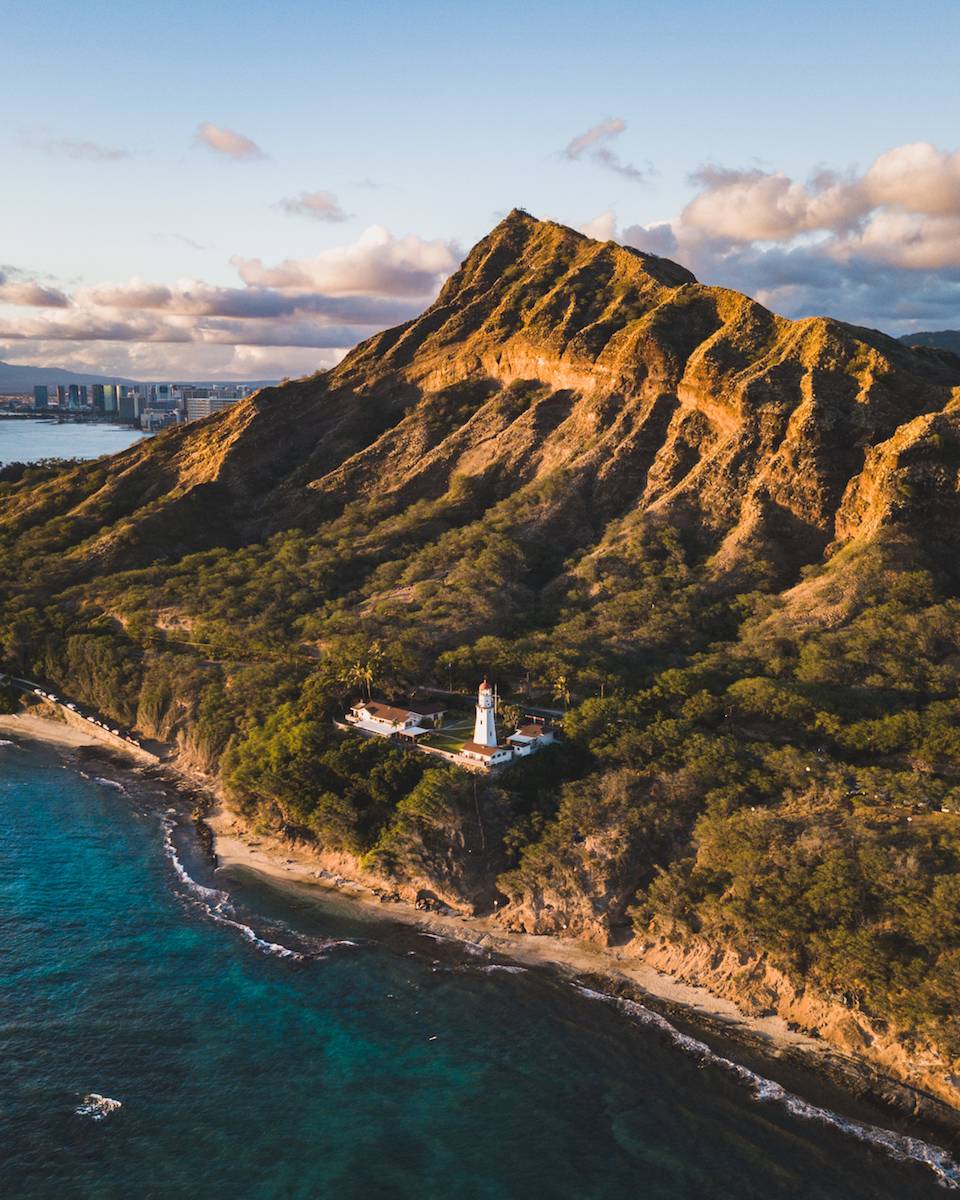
96 392
110 393
41 395
129 404
62 395
73 395
203 405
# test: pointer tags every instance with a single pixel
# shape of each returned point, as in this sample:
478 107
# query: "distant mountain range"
20 378
943 339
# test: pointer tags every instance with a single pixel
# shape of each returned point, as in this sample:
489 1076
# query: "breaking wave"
97 1107
467 946
110 783
216 905
898 1146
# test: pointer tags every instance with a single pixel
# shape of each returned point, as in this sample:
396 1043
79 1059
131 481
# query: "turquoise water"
28 440
374 1063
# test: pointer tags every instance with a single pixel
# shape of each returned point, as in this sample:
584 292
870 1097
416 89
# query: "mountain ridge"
687 378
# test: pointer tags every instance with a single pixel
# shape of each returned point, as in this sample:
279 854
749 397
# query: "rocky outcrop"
759 988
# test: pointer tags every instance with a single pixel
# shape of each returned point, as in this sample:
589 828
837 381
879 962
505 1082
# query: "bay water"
27 440
169 1030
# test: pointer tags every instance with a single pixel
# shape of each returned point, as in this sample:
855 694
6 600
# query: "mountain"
19 378
725 542
944 339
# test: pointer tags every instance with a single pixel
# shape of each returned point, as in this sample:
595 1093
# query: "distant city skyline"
212 192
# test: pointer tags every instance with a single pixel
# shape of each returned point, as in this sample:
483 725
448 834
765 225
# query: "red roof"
386 712
486 751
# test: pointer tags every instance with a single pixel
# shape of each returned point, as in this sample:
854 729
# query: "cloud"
188 361
376 263
179 237
904 209
79 149
880 247
755 206
612 127
228 143
594 141
917 178
86 326
314 309
321 206
196 298
18 288
603 228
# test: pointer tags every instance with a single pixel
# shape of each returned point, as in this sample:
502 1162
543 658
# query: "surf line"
898 1146
216 904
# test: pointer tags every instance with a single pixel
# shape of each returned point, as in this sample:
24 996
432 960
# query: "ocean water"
261 1044
27 440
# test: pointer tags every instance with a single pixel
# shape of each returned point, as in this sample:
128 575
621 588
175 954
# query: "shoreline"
618 975
607 969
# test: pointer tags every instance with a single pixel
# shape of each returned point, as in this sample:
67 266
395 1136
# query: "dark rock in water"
205 838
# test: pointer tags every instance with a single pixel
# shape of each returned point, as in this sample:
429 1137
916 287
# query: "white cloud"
880 248
595 140
228 142
320 206
754 206
376 263
903 209
603 227
905 239
917 178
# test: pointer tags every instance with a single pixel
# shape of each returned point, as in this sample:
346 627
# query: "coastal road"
103 728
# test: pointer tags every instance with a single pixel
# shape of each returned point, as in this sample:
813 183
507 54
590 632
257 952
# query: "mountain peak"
531 283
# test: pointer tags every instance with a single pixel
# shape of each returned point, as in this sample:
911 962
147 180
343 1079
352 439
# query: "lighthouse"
485 729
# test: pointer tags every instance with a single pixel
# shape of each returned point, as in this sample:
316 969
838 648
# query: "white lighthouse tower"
485 729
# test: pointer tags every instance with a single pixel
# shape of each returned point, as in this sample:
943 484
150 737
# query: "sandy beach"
282 862
42 729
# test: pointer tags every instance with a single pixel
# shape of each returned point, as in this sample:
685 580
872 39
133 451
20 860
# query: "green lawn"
450 738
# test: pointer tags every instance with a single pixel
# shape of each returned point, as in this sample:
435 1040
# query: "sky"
245 190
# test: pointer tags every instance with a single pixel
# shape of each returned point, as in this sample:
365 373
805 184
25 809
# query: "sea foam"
899 1146
97 1107
110 783
217 906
